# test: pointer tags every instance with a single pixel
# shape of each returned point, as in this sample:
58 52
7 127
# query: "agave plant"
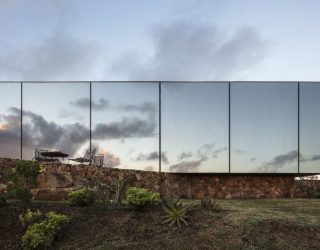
176 213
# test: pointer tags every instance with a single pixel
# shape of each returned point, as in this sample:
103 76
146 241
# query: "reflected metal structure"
189 127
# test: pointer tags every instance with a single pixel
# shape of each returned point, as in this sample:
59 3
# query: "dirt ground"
242 224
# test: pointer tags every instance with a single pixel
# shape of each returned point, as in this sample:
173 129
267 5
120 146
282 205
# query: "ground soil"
261 224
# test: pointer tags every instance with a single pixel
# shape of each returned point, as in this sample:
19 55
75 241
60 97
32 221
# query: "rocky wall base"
57 180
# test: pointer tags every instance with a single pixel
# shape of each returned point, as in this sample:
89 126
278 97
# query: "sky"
164 40
159 40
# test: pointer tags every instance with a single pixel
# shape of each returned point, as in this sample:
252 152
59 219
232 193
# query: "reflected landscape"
195 136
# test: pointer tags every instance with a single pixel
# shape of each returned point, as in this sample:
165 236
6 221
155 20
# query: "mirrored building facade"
176 127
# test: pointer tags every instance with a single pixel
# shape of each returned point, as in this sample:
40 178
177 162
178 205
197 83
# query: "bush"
30 218
24 177
82 197
3 200
141 197
210 205
27 172
41 235
317 195
21 193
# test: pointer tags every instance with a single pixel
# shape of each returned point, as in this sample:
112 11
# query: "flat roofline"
156 81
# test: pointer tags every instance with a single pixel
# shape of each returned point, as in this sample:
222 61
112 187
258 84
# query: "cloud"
208 151
10 135
60 56
280 161
70 114
39 132
127 127
153 156
84 102
189 50
204 153
111 160
239 151
146 107
315 157
186 166
184 155
57 55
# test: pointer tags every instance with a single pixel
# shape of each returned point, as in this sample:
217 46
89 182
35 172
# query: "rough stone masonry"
57 180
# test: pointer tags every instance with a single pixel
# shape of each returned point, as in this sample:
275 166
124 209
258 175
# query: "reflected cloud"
208 150
70 114
310 158
184 155
67 137
10 134
146 107
153 156
84 102
204 153
239 151
110 160
127 127
186 166
279 161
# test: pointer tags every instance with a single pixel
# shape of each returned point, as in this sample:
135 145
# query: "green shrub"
141 197
41 235
30 218
21 193
38 236
317 195
82 197
27 172
3 200
24 177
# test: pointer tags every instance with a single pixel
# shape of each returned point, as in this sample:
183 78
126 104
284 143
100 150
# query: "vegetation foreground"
240 224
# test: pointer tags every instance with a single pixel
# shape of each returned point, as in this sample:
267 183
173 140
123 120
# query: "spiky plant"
175 213
210 204
120 190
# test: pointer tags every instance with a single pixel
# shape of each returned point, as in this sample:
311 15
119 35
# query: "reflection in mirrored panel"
309 127
10 101
195 127
125 124
264 128
56 117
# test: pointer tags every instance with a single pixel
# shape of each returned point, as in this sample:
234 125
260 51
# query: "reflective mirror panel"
125 124
195 127
56 117
10 101
309 128
264 127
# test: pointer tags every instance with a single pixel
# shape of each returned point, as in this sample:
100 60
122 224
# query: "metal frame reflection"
22 83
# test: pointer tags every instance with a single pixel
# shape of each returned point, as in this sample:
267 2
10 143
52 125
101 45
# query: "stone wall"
57 180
